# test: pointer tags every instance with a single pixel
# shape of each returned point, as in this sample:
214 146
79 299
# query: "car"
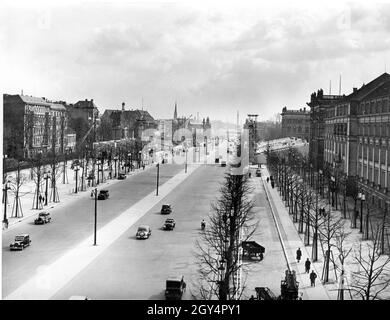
103 195
169 224
43 217
258 173
21 241
121 176
143 232
166 209
174 288
223 163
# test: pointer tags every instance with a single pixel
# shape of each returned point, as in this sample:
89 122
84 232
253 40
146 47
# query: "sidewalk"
292 241
66 193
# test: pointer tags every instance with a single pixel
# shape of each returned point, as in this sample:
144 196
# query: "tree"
80 126
104 131
328 228
38 170
16 183
219 249
55 173
372 276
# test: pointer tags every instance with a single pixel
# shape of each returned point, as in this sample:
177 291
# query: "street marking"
52 278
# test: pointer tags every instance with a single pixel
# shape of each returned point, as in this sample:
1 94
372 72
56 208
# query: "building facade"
296 123
33 125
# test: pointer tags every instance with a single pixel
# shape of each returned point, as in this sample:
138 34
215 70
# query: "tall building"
33 125
296 123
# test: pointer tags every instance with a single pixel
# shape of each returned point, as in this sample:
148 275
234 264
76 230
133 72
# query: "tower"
175 113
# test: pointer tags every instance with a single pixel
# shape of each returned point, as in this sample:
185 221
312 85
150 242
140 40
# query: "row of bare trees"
321 225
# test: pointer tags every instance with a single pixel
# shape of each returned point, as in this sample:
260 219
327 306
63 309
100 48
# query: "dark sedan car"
21 241
143 232
166 209
169 224
43 217
103 195
121 176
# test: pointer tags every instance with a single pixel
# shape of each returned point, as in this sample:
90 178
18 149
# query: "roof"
366 89
57 106
174 278
34 100
85 104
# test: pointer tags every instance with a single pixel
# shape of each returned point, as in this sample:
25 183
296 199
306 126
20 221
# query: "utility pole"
158 176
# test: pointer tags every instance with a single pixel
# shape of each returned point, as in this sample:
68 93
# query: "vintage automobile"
223 163
166 209
121 176
175 287
169 224
43 217
143 232
21 241
258 173
103 195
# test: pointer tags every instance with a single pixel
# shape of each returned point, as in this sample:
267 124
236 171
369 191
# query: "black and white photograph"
209 151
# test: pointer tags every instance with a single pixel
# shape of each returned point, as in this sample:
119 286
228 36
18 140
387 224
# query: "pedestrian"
267 179
40 199
272 184
143 167
307 265
252 297
313 277
299 254
92 193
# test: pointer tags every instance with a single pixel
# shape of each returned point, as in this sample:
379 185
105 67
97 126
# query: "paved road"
137 269
71 224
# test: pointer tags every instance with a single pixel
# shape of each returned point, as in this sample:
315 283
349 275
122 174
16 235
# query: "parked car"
103 195
143 232
21 241
121 176
169 224
43 217
223 163
175 287
258 173
166 209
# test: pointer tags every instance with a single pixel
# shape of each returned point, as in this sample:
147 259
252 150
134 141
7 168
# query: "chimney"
86 100
123 106
92 100
355 89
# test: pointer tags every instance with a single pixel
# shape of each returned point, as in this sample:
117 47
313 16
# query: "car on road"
175 287
166 209
103 195
169 224
258 173
223 163
121 176
43 217
143 232
21 241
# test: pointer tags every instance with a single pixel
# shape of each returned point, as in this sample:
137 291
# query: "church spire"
175 113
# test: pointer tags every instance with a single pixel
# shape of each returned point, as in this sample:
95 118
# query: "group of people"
272 181
312 275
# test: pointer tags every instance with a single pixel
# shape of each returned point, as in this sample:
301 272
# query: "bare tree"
328 229
218 252
16 183
372 276
38 170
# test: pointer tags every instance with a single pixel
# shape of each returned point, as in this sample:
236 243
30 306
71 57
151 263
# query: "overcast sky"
212 57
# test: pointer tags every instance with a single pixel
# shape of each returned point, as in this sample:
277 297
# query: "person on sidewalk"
299 255
307 265
313 277
267 179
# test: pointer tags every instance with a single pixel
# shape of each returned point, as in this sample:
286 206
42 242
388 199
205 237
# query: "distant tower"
175 113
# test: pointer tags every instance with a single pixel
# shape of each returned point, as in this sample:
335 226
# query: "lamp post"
98 170
332 188
186 151
76 170
158 177
5 189
362 198
367 221
95 193
139 159
320 184
115 161
221 269
130 161
46 176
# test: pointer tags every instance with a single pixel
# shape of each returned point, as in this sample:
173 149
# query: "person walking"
299 254
307 265
313 277
267 179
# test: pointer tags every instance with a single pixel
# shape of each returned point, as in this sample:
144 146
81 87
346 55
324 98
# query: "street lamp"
115 160
139 159
130 161
186 151
158 176
46 176
5 189
95 193
76 170
221 269
98 169
320 186
362 198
